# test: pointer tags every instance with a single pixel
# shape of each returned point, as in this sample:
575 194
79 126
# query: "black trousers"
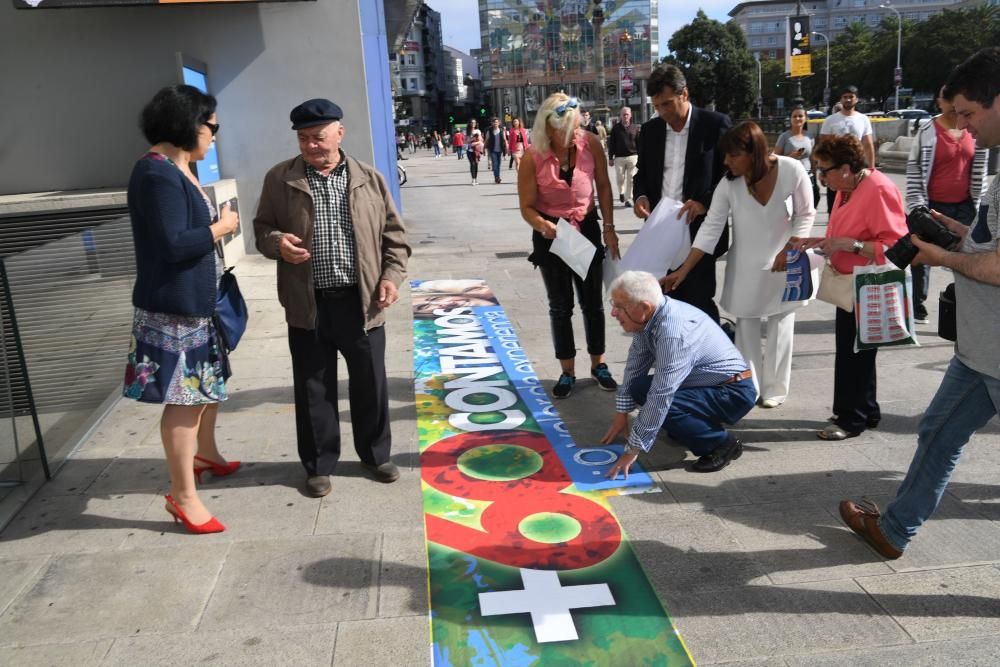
339 328
854 382
698 289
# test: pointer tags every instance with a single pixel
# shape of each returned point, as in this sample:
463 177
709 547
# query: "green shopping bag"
883 307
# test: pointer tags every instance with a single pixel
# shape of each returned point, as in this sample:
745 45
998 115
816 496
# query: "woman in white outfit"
770 200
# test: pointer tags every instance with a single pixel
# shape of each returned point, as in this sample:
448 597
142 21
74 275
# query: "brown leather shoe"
862 518
387 472
318 486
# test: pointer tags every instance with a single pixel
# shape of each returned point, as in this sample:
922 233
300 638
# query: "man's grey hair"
639 287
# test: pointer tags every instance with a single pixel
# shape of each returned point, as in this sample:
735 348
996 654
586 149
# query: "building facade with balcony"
420 74
763 21
530 50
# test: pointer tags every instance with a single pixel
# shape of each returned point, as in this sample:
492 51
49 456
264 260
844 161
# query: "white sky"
460 19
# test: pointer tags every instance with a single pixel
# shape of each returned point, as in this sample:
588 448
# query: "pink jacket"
874 213
560 199
511 134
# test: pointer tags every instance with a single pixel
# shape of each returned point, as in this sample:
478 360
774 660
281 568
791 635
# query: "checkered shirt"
334 258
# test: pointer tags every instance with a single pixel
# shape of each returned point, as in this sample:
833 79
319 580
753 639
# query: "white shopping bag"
661 238
573 248
612 269
883 307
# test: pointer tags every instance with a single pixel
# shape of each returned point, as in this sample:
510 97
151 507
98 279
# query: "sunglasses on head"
571 103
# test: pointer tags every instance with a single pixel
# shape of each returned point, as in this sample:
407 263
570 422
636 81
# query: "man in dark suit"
679 157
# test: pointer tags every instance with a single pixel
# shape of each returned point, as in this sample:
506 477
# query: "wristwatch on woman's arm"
858 247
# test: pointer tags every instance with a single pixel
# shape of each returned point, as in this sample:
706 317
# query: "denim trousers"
964 403
697 414
965 213
496 157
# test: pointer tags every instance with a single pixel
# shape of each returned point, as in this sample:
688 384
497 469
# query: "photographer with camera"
969 395
946 173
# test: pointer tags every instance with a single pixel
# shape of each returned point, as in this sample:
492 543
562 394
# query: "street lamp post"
826 89
597 19
760 87
898 74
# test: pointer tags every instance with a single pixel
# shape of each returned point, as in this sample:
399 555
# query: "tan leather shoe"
862 518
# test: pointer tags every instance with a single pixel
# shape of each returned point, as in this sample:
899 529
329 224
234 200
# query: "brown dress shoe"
318 486
387 472
862 518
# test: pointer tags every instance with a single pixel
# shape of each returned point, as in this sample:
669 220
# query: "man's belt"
745 375
335 291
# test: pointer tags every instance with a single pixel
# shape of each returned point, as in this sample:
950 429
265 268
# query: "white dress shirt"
674 155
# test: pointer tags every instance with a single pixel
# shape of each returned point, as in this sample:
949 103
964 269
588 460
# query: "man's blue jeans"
496 157
697 414
964 403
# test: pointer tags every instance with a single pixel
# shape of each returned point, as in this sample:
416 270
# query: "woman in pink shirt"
556 180
867 218
517 139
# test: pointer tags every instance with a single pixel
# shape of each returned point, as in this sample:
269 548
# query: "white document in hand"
573 248
659 241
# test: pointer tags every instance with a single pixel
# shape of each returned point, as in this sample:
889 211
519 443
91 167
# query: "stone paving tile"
401 641
768 622
77 523
935 605
81 597
800 543
978 652
81 654
403 574
303 647
360 504
15 575
294 582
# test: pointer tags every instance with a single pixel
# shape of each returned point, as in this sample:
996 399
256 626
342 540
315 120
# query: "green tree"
717 63
937 45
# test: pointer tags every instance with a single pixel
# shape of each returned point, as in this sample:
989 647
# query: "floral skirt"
175 359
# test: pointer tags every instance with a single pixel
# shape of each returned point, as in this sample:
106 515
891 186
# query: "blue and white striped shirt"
687 349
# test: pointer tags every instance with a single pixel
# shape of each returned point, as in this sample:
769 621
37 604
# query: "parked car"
876 115
909 114
814 114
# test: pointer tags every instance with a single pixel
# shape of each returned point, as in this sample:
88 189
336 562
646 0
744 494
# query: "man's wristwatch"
857 247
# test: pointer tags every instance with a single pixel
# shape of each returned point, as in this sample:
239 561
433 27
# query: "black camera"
922 223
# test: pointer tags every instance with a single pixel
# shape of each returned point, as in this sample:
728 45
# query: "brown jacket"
286 207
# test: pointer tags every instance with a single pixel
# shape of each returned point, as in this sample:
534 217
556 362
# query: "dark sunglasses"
212 127
822 171
571 103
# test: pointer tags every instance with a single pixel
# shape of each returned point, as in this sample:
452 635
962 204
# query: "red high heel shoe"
210 526
217 469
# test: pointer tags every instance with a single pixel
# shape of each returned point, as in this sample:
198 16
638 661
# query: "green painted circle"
549 528
500 463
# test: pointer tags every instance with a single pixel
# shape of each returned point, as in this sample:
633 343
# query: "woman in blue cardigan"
175 357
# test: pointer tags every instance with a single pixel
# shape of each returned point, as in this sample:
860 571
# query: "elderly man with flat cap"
341 248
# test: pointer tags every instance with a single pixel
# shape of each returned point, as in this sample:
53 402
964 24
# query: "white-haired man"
700 382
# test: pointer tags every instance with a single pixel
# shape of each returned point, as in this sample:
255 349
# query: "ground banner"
527 563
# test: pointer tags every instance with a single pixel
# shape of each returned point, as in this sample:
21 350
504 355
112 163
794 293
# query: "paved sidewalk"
752 563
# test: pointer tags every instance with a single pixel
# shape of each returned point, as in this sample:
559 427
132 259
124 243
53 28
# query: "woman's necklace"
846 196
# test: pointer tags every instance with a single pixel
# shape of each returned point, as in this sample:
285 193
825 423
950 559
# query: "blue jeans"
460 152
697 414
496 157
964 403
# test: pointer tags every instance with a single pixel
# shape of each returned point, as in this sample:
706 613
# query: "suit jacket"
703 168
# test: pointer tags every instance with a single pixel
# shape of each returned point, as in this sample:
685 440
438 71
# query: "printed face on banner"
527 562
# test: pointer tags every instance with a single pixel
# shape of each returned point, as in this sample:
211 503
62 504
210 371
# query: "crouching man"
700 381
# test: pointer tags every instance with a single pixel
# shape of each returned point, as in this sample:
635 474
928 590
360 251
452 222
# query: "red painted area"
513 501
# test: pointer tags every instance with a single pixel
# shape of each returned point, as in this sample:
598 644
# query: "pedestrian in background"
867 218
796 143
175 357
851 122
496 145
474 149
946 173
556 181
623 154
517 142
602 134
331 223
436 143
458 141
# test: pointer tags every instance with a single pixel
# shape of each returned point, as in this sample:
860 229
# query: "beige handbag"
836 288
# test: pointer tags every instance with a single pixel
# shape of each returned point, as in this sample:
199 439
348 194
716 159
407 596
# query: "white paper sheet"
573 248
659 242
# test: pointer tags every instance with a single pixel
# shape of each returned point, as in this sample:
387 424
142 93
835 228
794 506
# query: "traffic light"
482 111
451 120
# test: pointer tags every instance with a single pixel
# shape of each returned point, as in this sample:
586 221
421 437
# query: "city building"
763 21
420 74
530 50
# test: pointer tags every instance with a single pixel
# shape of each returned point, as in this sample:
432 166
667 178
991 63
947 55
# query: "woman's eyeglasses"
823 171
212 127
571 103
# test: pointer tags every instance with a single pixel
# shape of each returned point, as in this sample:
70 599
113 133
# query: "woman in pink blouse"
867 218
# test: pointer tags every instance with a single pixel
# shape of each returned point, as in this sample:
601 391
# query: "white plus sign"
548 602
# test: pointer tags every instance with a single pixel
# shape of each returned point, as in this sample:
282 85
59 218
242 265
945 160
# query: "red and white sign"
625 81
